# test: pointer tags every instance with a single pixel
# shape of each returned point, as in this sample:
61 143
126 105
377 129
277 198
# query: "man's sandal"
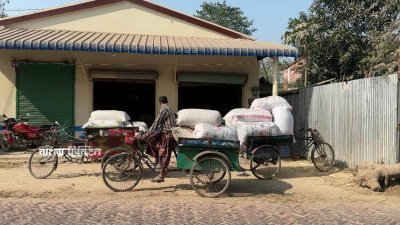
157 180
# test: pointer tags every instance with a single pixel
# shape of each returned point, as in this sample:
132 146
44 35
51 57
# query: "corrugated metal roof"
19 39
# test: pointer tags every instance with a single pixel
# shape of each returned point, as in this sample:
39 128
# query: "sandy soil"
298 181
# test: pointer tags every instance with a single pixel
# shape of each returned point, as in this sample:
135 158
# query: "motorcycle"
21 134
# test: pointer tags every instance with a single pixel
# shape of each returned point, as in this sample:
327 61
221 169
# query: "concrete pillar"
167 85
83 97
275 69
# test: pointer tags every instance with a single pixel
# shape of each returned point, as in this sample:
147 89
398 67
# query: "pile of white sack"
107 119
202 124
270 116
103 119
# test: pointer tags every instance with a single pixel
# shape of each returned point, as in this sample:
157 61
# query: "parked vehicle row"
17 133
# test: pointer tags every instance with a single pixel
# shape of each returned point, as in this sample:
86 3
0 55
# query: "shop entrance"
134 97
220 97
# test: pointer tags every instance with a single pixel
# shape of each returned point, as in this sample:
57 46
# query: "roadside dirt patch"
298 182
10 164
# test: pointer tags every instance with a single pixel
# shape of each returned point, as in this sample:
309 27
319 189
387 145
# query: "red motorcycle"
19 133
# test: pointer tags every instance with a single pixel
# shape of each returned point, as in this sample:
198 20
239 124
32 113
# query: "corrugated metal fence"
358 118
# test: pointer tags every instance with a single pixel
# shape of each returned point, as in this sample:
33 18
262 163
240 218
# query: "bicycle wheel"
323 157
42 165
122 172
110 153
210 177
265 162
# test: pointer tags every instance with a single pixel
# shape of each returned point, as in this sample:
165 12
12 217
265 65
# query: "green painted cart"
211 161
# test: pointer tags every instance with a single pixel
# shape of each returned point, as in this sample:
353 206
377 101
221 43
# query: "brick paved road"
202 212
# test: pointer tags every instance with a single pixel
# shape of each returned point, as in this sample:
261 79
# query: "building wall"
291 75
7 87
167 66
122 17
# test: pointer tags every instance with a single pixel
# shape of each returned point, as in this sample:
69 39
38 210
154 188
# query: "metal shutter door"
47 92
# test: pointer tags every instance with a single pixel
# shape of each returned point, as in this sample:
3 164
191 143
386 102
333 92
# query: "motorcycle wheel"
4 144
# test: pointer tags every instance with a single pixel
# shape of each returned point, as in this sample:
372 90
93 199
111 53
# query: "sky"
270 16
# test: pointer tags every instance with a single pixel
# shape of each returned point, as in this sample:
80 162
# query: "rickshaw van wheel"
265 162
210 176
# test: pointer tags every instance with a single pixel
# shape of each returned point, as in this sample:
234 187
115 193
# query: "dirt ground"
298 181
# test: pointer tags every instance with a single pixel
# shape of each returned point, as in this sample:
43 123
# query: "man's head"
163 100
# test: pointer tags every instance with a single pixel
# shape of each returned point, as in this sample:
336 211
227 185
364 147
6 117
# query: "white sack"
118 116
204 130
141 125
182 132
231 115
257 129
246 115
192 117
102 124
269 103
283 119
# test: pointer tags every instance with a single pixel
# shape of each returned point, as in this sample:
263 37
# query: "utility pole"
275 69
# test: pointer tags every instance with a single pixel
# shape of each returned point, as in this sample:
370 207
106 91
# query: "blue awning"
20 39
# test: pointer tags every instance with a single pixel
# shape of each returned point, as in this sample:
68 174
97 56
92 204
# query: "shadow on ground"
72 175
249 187
254 187
290 172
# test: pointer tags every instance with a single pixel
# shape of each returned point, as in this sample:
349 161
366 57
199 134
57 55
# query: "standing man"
160 141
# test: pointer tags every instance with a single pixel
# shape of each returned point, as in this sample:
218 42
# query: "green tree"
347 39
3 4
227 16
266 69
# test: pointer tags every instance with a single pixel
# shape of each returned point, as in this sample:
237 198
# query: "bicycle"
322 153
44 160
142 150
122 169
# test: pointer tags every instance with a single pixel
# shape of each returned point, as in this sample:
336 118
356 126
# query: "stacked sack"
205 130
281 111
237 116
107 119
202 124
251 122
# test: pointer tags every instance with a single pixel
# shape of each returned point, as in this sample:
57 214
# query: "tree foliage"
227 16
347 39
266 69
3 4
